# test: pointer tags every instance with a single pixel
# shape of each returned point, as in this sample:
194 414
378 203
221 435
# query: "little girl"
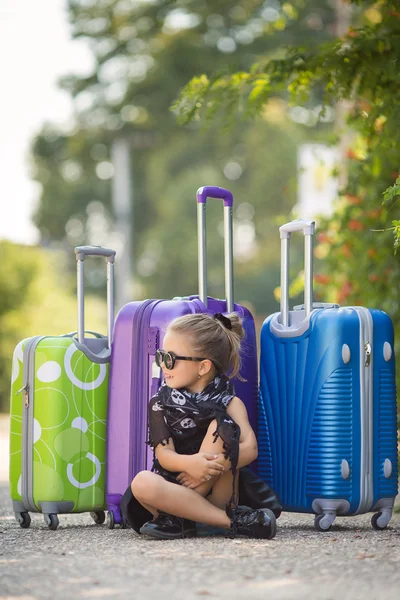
201 435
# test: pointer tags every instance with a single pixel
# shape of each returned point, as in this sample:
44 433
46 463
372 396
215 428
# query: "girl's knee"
144 486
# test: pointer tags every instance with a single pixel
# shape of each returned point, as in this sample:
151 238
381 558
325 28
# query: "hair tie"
224 320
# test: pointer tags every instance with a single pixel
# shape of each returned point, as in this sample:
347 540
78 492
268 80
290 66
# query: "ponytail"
217 337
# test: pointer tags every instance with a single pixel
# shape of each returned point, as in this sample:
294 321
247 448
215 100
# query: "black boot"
253 523
168 527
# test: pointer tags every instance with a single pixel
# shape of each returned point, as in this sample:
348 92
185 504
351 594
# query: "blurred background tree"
145 53
357 246
36 299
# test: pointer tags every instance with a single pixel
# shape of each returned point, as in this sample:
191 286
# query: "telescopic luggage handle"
81 252
202 195
308 228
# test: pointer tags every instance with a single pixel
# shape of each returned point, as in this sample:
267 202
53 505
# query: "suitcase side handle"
308 229
222 194
95 334
81 252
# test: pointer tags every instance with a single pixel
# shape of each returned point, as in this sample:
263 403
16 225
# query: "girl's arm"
248 450
168 457
201 466
247 443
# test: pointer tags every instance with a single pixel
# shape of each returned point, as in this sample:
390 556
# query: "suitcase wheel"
23 519
380 520
110 519
98 517
51 521
323 522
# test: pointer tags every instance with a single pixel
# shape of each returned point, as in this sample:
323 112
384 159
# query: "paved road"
81 560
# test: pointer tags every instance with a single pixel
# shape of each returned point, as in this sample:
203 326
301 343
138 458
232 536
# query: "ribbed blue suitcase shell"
310 419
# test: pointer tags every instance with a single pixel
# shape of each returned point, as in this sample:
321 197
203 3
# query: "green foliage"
36 299
357 262
396 227
360 67
355 66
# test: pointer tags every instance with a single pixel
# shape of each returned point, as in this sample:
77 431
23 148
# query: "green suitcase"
59 396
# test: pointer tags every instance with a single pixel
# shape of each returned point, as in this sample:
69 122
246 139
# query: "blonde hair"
212 339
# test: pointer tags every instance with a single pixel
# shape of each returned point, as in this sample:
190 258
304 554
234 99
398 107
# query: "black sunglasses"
169 358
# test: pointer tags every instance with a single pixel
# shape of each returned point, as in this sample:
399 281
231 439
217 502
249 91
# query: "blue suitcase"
327 426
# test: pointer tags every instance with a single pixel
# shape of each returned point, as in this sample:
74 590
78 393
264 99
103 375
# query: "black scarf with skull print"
185 416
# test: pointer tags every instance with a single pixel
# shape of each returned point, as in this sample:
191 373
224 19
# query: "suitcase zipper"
366 408
367 350
25 390
27 422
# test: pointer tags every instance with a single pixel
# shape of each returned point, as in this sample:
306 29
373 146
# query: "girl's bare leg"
153 491
151 509
221 489
222 485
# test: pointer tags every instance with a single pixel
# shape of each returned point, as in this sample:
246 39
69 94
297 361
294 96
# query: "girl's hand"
188 481
202 466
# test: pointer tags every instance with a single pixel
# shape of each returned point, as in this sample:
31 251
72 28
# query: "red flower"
355 225
350 153
353 199
366 106
345 250
321 278
344 292
374 214
323 237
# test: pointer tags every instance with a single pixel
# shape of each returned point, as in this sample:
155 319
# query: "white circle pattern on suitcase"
50 371
84 484
83 385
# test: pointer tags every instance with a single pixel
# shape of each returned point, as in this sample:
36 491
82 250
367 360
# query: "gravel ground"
82 560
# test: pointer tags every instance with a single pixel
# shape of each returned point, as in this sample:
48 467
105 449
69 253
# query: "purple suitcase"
134 377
